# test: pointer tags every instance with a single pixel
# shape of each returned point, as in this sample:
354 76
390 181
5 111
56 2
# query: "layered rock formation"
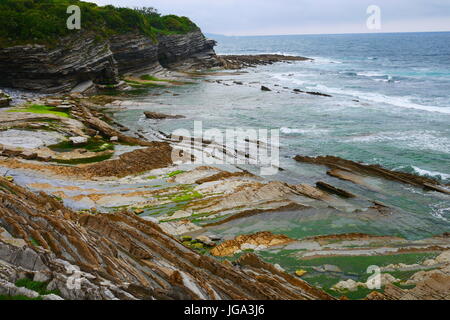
120 256
84 57
47 69
187 51
353 171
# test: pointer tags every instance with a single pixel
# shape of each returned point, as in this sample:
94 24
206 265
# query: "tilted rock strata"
157 155
340 167
84 57
77 59
122 256
134 52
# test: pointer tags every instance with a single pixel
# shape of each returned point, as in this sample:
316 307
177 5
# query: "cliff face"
119 255
75 60
176 49
36 67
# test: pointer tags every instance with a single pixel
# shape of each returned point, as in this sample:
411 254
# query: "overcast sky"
272 17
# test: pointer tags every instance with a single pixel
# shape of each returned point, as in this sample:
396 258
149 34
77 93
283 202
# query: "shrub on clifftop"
44 21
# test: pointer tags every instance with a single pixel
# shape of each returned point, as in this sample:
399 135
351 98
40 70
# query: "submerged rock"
354 171
84 56
161 116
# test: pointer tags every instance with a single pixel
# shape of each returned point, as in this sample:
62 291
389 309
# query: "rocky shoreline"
83 195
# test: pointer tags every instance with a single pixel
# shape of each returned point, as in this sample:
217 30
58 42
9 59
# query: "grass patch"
139 85
93 145
34 242
44 21
41 109
188 196
352 267
84 160
175 173
39 287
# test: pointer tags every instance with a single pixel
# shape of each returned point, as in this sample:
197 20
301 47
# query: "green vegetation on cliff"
44 21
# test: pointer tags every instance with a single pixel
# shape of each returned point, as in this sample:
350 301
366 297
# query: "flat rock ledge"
234 62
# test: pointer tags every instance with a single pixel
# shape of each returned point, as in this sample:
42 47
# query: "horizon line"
324 34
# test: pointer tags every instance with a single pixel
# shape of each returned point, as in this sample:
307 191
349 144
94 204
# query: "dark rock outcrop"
135 52
314 93
189 51
51 70
161 116
85 57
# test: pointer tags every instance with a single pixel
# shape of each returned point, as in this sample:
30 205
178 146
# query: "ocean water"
390 106
402 83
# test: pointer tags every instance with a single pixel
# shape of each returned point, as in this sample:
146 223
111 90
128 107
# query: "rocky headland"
92 209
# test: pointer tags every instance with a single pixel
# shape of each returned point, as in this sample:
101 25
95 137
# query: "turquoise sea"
390 106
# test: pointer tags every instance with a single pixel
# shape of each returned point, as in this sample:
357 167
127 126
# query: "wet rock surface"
120 256
36 67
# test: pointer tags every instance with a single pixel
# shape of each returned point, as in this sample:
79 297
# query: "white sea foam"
313 131
291 77
421 140
441 211
433 174
371 74
403 102
322 60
